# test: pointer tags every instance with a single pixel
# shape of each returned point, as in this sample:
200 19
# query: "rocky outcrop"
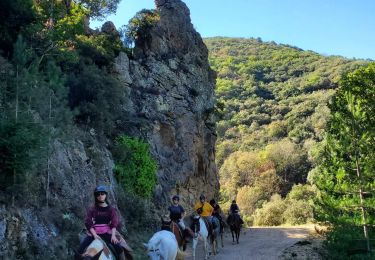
34 230
171 88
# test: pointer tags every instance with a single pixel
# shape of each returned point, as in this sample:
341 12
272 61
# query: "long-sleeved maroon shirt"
99 216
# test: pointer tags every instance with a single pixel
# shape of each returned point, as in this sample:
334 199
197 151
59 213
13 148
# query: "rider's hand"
114 239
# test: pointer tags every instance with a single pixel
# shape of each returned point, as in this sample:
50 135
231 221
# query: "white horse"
202 234
162 245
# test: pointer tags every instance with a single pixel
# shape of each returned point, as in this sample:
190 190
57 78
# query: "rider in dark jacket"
177 213
217 212
234 209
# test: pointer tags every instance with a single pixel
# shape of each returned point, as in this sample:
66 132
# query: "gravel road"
256 243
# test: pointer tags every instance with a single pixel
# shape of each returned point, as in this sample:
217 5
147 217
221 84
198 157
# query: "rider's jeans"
181 224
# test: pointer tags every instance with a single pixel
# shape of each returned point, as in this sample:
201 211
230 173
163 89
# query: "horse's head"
153 250
195 223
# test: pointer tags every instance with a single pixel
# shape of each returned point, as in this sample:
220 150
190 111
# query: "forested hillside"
272 109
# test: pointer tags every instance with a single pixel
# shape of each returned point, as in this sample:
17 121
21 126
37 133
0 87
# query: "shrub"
250 198
302 192
297 212
135 168
271 214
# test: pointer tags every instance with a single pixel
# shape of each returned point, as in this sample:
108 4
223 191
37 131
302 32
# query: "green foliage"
271 214
99 8
250 198
135 168
97 96
346 173
102 48
303 192
15 15
298 212
21 133
137 27
271 109
19 146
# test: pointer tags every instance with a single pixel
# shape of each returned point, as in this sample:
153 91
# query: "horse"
200 232
163 245
235 223
168 224
217 231
99 250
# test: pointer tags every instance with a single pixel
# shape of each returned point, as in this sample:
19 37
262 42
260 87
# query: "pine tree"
20 133
347 179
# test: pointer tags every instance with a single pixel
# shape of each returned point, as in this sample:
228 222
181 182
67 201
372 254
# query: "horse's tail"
180 255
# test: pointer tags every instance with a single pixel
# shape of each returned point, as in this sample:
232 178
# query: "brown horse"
235 223
167 224
98 249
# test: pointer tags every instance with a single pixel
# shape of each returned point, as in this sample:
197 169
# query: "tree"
347 178
15 14
96 8
20 133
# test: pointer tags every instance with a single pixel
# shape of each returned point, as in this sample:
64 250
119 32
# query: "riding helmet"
100 188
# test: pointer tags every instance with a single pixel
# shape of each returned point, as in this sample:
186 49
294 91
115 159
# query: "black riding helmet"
176 197
212 202
202 197
100 188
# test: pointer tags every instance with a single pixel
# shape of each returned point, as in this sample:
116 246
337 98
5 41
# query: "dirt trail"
257 243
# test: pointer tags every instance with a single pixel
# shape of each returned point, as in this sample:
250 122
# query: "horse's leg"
213 245
206 247
233 233
222 242
238 235
195 242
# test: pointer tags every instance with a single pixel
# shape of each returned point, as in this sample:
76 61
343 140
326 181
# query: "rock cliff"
170 90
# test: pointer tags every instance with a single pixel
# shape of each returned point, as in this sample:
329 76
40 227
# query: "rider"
102 221
234 209
205 210
217 212
177 213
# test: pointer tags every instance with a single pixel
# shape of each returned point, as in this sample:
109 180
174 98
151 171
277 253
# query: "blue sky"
329 27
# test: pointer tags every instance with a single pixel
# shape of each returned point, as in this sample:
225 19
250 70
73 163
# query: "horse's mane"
158 236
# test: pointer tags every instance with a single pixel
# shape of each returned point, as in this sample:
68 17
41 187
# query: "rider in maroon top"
101 221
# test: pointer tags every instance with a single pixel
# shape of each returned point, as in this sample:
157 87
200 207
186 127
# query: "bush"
302 192
271 214
135 168
250 198
298 212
